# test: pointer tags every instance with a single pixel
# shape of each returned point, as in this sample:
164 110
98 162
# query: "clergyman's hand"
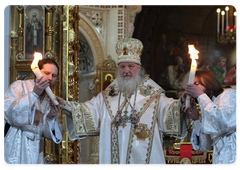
192 111
193 90
60 101
40 85
183 97
55 110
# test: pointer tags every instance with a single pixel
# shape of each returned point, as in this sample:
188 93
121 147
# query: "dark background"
166 31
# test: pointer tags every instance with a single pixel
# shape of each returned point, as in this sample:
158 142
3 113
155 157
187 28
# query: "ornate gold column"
20 31
70 18
17 33
49 30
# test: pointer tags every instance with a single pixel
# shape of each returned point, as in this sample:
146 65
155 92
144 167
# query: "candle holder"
226 25
228 37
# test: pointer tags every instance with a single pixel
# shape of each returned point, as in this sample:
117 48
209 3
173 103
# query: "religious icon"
107 78
146 90
185 161
112 92
34 30
142 132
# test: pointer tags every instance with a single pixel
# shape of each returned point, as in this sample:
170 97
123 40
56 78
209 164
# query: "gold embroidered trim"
149 101
107 105
89 123
154 120
114 145
77 118
130 141
82 118
173 118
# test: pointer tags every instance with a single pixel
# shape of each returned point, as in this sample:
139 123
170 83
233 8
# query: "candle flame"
193 54
37 57
194 63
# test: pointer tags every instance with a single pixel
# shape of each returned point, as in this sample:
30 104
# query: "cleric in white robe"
216 128
25 103
131 114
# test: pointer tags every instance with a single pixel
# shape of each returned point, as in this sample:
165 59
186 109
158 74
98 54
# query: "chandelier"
226 25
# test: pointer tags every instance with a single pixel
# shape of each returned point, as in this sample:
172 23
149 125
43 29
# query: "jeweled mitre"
129 50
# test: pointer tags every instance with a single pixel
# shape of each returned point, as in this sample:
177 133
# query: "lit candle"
235 18
218 20
193 55
227 9
37 72
223 13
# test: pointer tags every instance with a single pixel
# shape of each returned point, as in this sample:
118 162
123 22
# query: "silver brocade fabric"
23 110
219 122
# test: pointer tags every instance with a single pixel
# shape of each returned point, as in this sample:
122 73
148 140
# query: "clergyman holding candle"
25 104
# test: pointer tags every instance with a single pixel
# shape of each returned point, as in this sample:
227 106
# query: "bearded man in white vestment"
131 113
25 103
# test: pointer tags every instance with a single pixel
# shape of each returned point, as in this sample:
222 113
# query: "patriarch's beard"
129 85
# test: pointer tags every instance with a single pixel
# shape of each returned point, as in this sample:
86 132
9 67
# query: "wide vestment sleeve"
219 115
19 105
171 120
83 119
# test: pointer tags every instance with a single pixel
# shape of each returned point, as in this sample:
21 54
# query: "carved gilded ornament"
71 35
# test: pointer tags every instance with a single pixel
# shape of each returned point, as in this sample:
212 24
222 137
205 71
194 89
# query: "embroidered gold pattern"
107 104
149 101
114 145
146 90
90 126
130 141
173 118
142 132
78 118
83 120
154 120
112 92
